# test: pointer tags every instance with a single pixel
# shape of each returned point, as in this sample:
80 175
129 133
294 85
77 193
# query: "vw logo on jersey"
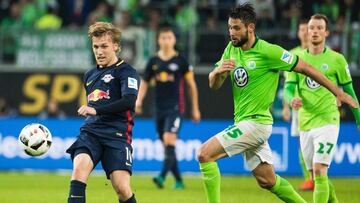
241 77
312 84
173 66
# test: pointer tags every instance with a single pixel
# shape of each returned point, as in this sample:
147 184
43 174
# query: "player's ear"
327 33
251 27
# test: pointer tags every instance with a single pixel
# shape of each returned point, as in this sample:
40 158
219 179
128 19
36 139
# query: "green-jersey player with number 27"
319 116
254 68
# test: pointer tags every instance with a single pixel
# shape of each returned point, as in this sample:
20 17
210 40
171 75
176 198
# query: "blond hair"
100 29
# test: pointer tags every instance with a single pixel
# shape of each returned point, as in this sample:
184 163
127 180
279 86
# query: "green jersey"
319 104
296 50
255 79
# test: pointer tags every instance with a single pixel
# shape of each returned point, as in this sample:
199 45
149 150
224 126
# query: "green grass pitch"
16 187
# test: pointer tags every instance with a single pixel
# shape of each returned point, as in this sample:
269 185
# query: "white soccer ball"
35 139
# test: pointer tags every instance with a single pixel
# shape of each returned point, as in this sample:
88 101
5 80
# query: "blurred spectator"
75 12
29 13
52 111
186 18
10 25
100 14
50 20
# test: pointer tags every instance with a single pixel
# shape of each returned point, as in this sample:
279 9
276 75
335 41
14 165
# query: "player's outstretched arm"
219 74
194 96
308 70
144 86
348 88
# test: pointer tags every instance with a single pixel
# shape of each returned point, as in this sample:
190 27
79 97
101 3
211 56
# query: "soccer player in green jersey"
253 66
318 111
308 183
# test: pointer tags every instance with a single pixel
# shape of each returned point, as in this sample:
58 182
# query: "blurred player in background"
169 70
254 67
111 89
319 117
308 183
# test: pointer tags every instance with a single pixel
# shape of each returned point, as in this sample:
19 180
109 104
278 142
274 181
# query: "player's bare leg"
120 180
267 179
209 152
82 167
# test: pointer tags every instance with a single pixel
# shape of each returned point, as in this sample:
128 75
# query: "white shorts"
249 138
294 123
318 145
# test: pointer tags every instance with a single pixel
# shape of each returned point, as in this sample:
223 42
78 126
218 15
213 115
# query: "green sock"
283 190
305 172
332 194
321 191
211 178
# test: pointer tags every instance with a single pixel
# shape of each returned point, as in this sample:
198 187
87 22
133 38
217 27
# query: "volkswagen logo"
241 77
312 84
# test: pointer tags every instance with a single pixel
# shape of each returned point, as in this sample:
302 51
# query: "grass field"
53 188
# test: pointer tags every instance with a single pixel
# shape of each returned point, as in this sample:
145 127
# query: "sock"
169 160
77 192
211 178
332 194
130 200
283 190
305 172
175 169
321 191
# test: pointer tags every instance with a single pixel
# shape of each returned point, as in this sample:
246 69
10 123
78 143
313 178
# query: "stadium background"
44 51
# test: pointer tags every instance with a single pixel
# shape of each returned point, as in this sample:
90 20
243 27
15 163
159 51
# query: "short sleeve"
129 81
280 59
343 72
185 66
149 73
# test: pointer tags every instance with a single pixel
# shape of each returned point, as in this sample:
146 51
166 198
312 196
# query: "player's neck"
316 49
249 44
304 45
112 62
166 54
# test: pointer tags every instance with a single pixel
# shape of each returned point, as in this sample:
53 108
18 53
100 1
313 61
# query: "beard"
242 41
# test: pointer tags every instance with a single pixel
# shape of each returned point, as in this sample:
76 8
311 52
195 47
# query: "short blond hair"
100 29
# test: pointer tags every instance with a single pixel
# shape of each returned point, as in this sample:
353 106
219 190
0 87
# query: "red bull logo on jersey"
165 77
98 94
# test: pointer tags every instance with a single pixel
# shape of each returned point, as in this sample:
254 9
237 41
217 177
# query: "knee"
320 169
123 191
79 174
203 156
266 182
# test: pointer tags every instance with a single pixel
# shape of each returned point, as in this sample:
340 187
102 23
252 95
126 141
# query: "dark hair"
319 16
245 12
303 21
163 29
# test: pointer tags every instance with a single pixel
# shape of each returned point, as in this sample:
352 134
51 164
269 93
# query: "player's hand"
138 107
344 97
286 113
86 111
338 102
226 66
296 103
196 116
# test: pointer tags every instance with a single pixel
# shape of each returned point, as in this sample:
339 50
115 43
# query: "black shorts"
114 153
170 122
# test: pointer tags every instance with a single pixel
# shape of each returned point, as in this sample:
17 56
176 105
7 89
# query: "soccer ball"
35 139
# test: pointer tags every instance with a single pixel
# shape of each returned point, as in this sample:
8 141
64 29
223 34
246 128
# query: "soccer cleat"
179 185
307 185
159 181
